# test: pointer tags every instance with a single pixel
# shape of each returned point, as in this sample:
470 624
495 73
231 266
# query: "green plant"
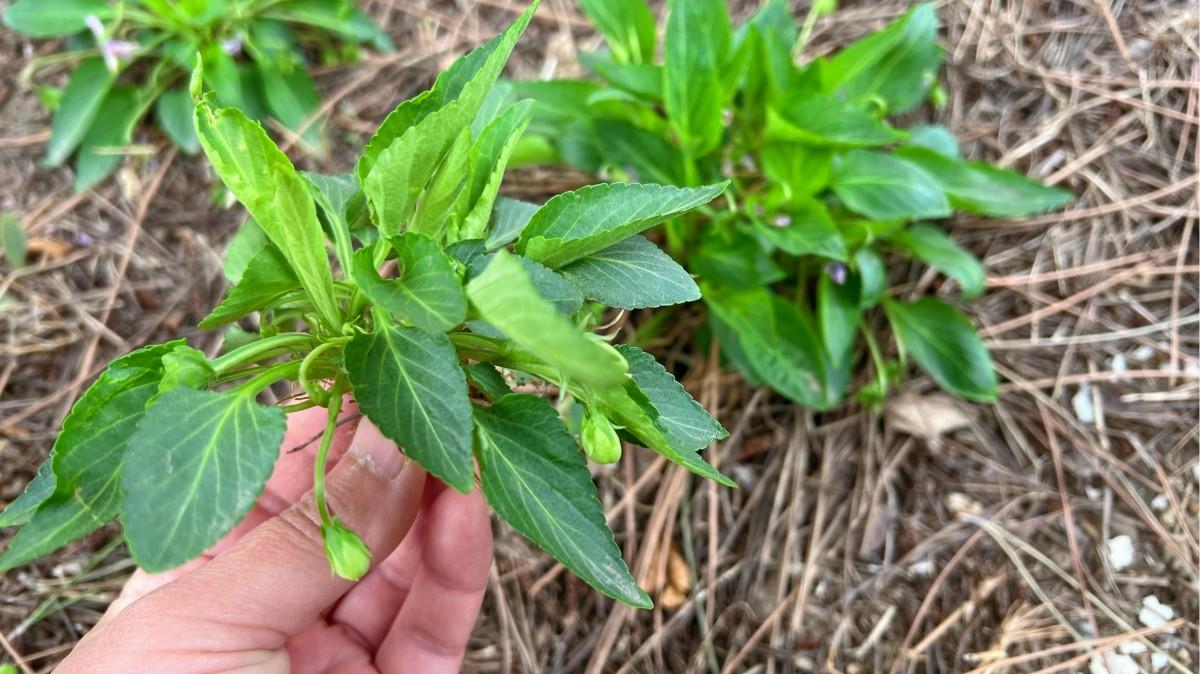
423 350
822 185
134 55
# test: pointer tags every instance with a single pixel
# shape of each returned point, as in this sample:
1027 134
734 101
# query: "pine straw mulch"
935 536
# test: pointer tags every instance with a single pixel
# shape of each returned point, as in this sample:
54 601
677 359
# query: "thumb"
276 580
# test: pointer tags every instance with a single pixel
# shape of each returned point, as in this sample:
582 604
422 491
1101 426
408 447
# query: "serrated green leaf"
409 384
897 65
632 274
509 218
576 224
81 492
185 367
885 187
425 292
780 343
628 26
435 205
945 345
39 18
504 295
683 420
266 278
101 150
264 180
826 120
806 229
81 101
292 97
641 154
489 381
987 190
489 159
565 297
173 111
935 248
535 478
195 466
696 48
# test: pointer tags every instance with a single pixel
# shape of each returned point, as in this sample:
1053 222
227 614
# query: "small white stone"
1093 493
1109 662
1132 647
1160 503
1117 364
1158 660
1155 614
1142 353
922 568
1085 412
1120 552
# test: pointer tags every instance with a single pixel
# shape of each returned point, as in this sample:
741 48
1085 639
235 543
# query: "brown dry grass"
858 542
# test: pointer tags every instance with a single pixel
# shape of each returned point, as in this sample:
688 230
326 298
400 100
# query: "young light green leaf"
628 26
509 218
489 158
884 187
250 239
264 180
101 150
81 492
776 29
266 278
945 345
697 46
826 120
536 480
174 114
195 466
935 248
896 65
643 80
806 229
505 297
426 291
409 384
987 190
81 100
14 240
576 224
41 18
632 274
565 297
780 343
435 205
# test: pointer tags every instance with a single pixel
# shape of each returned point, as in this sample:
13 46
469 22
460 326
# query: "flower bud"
599 438
348 555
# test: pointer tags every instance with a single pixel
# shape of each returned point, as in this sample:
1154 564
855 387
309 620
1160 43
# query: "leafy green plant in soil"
443 294
824 186
132 58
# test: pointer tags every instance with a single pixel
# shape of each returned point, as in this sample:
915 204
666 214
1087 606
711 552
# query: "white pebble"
1155 614
1113 663
1160 503
1117 364
1120 552
1132 647
1085 412
1158 661
1142 353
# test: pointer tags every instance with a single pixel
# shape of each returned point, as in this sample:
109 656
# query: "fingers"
431 631
275 581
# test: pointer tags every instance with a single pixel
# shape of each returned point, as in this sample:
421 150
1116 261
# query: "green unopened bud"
348 555
599 438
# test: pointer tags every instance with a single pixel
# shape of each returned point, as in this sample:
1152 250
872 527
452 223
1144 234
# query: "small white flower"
782 220
1120 552
1155 614
232 46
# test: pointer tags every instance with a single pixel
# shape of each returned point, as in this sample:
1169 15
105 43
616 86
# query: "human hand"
264 599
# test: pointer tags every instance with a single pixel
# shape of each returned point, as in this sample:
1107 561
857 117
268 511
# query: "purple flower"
836 272
232 46
112 50
781 220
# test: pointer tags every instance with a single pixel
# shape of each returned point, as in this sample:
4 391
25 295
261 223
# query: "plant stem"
876 358
335 408
286 343
269 376
317 394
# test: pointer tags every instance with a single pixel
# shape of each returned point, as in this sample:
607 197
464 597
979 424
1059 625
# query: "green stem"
286 343
810 21
269 376
335 408
876 358
317 394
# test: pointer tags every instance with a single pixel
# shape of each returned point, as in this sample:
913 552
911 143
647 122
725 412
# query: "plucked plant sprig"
134 56
439 297
823 186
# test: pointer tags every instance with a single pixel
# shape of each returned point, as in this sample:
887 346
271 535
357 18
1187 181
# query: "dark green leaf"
945 345
627 24
242 248
776 29
935 138
575 224
509 219
196 465
987 190
40 488
632 274
489 381
641 154
504 295
735 260
535 479
425 292
884 187
872 276
81 100
838 316
174 114
292 98
683 420
806 229
266 278
697 45
103 146
643 80
802 170
827 120
409 384
936 249
53 18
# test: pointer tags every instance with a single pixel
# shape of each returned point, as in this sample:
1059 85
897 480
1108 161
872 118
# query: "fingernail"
378 454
